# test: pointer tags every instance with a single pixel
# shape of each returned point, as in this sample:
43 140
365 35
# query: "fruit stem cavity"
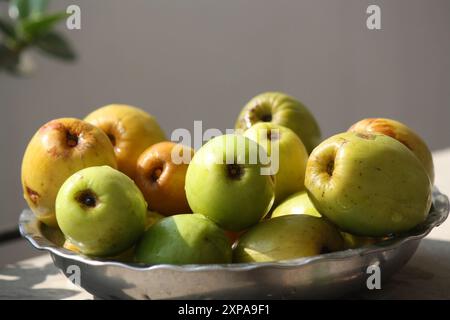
156 174
330 167
87 198
72 139
235 171
112 138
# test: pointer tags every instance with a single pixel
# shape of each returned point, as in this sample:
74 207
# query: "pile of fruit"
117 189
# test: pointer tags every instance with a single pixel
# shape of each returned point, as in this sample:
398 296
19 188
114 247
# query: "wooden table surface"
426 275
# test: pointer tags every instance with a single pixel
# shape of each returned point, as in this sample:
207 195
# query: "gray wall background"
186 60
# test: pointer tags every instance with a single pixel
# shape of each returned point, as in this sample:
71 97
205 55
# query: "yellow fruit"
131 131
57 150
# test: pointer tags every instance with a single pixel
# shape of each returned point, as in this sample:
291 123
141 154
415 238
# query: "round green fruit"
184 239
227 186
287 154
298 203
287 237
279 108
101 211
368 184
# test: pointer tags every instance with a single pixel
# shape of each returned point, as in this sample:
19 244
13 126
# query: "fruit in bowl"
58 149
279 108
300 203
101 211
287 237
184 239
160 174
224 182
368 184
287 153
402 133
355 189
131 131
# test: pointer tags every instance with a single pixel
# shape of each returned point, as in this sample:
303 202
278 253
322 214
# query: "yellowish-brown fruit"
131 131
57 150
160 175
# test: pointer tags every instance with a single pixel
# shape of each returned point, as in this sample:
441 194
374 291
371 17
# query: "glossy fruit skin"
58 149
298 203
402 133
287 237
115 221
162 180
279 108
368 185
234 203
131 131
184 239
292 156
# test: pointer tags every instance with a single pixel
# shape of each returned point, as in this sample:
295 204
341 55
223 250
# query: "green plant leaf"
19 9
38 7
7 28
37 26
56 45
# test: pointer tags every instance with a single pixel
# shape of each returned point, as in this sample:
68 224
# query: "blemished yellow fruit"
399 132
131 131
60 148
369 185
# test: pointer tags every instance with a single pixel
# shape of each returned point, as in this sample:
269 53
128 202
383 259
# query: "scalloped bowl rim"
435 218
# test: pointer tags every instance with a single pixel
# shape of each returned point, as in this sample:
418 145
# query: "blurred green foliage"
29 25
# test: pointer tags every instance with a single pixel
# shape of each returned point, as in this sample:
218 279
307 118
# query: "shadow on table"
23 281
425 276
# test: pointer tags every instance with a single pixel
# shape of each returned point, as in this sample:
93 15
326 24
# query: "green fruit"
287 237
101 211
184 239
402 133
368 185
288 155
352 241
298 203
279 108
235 195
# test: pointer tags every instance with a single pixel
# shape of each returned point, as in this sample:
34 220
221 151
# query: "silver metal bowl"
324 276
